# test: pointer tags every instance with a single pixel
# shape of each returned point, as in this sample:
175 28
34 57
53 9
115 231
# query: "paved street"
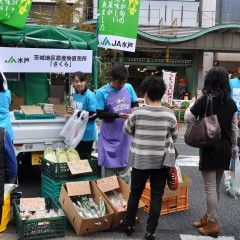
171 226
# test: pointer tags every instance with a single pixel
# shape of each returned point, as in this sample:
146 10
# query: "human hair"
80 75
119 72
217 83
1 83
154 87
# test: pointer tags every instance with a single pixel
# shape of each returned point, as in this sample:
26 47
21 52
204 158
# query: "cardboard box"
54 100
60 109
167 192
112 183
84 226
16 102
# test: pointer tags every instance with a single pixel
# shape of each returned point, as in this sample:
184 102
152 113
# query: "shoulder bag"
205 131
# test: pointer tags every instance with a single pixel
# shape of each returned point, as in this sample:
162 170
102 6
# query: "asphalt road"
172 226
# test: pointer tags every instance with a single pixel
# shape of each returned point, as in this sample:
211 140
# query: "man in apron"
114 103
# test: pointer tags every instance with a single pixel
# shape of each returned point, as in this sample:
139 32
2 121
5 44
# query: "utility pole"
200 9
220 11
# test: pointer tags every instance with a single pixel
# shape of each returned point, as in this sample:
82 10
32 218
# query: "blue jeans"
139 178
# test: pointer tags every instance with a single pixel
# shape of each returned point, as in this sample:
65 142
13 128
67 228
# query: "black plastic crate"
60 171
39 228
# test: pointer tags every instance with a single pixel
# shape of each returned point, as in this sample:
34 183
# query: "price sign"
79 166
108 184
31 204
78 188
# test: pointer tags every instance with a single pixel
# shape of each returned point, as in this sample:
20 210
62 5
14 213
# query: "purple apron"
113 143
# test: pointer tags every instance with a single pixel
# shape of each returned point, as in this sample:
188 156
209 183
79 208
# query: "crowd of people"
139 137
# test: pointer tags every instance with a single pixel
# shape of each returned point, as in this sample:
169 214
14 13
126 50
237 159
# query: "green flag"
14 12
118 24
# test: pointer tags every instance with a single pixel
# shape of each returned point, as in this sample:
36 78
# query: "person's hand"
68 116
70 111
123 115
193 100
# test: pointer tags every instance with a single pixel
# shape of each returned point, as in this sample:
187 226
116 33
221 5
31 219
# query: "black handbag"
205 131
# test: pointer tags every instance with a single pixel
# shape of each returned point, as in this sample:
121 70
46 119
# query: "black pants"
85 147
157 182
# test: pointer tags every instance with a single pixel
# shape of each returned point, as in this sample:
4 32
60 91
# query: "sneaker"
150 236
129 230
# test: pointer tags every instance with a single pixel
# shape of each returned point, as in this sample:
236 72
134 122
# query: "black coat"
219 155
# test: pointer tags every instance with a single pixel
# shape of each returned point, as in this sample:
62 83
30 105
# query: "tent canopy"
48 37
43 36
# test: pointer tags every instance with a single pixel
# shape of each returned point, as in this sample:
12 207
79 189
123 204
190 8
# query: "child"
152 127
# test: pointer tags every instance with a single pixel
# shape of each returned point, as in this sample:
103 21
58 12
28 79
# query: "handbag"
170 162
205 131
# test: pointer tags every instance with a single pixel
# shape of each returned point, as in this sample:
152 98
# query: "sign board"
78 188
32 109
14 12
31 204
79 166
45 60
169 79
108 184
118 24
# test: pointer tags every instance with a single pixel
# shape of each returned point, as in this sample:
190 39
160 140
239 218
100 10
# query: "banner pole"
95 60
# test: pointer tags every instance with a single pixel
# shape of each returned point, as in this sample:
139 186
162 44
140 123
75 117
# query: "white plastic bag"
236 182
75 129
66 131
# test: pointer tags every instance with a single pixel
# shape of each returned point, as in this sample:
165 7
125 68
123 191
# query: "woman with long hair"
5 101
215 159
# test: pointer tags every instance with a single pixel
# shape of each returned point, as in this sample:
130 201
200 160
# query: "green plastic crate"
39 228
20 116
51 187
61 171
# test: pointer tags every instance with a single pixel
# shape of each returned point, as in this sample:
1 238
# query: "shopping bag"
236 183
171 155
66 131
75 128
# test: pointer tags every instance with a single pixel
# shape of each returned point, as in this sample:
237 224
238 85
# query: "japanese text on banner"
169 80
118 23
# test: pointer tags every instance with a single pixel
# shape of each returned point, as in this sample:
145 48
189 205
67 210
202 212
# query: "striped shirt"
152 129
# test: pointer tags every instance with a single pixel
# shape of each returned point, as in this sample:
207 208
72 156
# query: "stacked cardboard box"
16 102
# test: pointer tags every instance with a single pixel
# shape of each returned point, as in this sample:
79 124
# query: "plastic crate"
170 204
61 171
20 116
52 187
39 228
6 213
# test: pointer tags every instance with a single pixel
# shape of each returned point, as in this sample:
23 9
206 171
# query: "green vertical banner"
118 24
14 12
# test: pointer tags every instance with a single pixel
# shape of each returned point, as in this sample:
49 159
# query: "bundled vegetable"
27 215
50 155
117 200
87 208
72 155
61 156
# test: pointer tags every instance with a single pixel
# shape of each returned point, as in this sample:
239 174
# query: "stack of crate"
55 174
